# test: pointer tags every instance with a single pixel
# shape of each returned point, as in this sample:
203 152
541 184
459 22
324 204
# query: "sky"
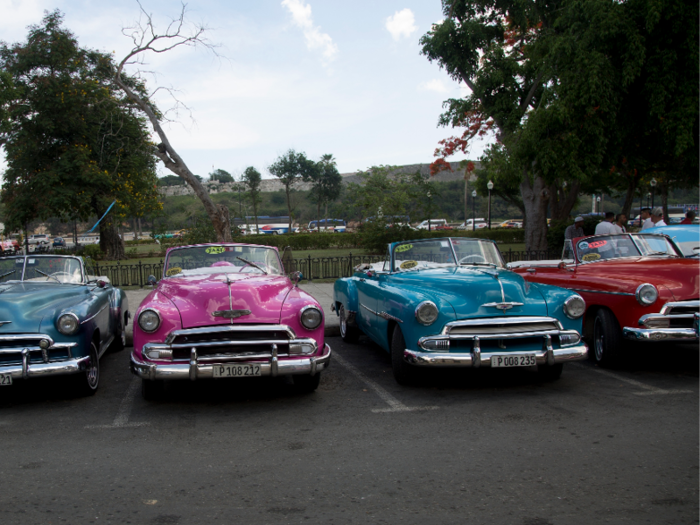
338 77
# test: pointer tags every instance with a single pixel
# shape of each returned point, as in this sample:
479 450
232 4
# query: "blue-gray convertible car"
451 302
57 318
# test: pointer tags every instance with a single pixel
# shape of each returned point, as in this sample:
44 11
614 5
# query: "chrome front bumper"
472 359
195 370
656 327
56 368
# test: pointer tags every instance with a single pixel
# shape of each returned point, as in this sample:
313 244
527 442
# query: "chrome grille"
13 345
506 326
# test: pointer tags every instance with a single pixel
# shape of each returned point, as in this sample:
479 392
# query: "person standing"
606 226
575 230
657 217
619 224
689 217
646 218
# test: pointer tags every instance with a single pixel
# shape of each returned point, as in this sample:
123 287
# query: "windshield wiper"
659 253
479 264
49 276
252 264
8 273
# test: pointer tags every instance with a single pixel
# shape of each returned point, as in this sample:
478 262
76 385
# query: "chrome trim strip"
502 306
643 320
288 366
93 316
679 304
213 344
231 329
499 321
660 334
230 314
598 291
369 309
435 359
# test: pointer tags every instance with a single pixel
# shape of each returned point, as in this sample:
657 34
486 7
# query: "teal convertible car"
451 302
57 318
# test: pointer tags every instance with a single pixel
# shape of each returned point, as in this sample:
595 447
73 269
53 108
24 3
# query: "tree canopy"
291 168
74 143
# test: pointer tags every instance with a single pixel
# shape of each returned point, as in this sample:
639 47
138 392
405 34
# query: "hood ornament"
501 306
231 314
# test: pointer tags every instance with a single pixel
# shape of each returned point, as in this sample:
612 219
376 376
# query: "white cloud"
402 24
301 14
433 85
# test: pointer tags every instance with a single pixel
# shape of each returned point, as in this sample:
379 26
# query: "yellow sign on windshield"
213 250
173 271
407 265
403 248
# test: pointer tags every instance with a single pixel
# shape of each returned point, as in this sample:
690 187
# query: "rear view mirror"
151 280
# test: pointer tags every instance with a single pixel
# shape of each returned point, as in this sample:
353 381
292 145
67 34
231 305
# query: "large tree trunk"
167 154
110 242
663 193
563 200
136 229
535 200
632 180
289 205
318 215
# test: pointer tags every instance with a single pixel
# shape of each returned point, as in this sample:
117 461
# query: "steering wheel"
472 258
59 275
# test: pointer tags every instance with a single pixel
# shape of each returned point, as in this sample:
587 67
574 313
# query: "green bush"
91 250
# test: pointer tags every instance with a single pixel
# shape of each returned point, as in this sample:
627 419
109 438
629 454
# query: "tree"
98 154
146 39
326 185
291 168
251 178
219 175
170 180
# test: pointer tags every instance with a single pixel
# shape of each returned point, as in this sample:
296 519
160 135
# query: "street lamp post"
652 183
429 228
598 201
648 197
474 210
490 187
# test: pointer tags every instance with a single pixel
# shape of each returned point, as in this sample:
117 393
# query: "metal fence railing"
310 267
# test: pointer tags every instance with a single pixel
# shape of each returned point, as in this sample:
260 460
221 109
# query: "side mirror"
151 280
101 284
296 277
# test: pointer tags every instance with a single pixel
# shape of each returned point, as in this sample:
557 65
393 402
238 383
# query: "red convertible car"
636 286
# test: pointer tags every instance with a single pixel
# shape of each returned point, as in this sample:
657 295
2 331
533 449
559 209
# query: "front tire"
404 373
306 384
607 338
88 381
349 334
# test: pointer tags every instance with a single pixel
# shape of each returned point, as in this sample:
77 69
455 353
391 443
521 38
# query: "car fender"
555 297
345 292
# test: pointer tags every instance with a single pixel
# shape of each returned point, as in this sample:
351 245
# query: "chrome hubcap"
93 372
343 322
599 341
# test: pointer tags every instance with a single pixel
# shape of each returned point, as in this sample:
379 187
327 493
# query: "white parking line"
394 404
122 418
649 389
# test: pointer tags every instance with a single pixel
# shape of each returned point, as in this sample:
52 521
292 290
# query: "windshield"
448 252
63 270
222 258
605 247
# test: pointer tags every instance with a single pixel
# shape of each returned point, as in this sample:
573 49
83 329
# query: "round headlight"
646 294
426 313
574 307
68 324
149 320
310 317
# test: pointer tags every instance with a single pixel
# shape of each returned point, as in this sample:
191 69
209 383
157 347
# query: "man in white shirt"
606 226
657 217
619 223
646 218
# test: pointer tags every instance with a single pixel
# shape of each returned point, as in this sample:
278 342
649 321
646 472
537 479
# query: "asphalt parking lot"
474 446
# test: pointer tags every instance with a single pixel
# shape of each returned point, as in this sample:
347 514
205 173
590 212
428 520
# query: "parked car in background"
511 223
275 229
686 237
11 247
327 225
57 318
476 224
59 242
637 287
434 223
451 302
227 311
39 238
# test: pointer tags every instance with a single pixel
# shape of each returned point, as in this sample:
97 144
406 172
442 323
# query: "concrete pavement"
323 292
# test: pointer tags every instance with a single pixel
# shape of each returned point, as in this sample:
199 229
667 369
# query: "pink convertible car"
227 311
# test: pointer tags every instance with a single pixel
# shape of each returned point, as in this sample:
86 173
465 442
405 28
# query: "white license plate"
237 370
503 361
5 379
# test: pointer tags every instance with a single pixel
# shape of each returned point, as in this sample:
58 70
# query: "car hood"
468 289
198 297
25 304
